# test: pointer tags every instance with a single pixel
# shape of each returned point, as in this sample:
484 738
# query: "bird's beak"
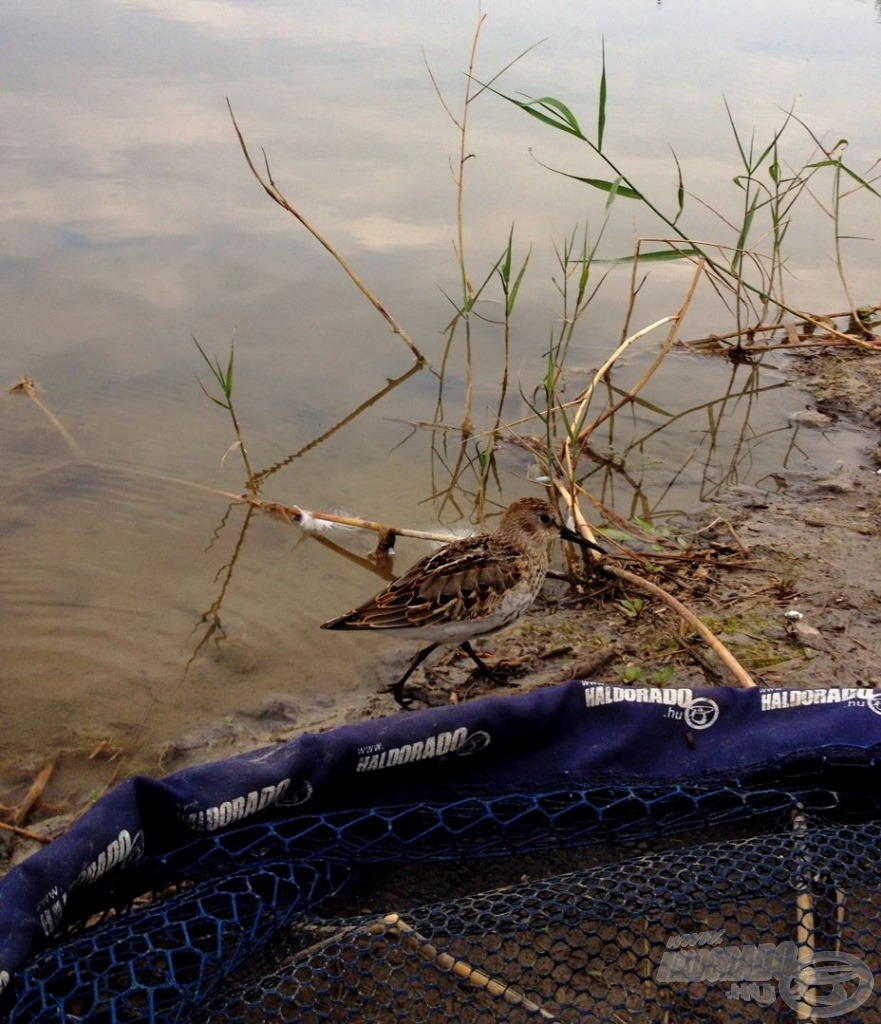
576 538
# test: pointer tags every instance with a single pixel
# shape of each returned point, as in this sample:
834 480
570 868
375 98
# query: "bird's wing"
464 580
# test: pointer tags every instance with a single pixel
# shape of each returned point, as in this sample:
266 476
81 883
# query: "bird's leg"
479 662
397 689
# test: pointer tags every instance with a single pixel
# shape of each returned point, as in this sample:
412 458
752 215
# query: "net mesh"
597 902
581 946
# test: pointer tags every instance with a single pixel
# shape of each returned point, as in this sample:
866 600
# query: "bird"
469 588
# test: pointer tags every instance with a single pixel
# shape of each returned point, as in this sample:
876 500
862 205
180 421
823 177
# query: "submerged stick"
822 321
308 519
28 388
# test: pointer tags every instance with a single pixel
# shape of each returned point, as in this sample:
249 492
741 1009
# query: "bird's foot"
503 671
397 691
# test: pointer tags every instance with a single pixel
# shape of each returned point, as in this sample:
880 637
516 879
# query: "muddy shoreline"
787 576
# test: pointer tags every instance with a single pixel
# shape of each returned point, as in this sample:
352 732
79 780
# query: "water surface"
131 223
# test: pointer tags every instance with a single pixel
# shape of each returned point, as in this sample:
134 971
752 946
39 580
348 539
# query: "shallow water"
131 223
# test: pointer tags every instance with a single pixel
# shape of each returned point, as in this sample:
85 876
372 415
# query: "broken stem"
271 189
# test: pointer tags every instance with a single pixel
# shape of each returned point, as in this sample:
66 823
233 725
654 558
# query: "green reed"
224 379
767 189
746 265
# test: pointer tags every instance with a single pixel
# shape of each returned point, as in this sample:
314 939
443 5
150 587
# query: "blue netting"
292 884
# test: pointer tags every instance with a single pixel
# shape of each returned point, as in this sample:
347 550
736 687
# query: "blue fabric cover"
575 734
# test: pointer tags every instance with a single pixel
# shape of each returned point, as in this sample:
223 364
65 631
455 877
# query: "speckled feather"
468 588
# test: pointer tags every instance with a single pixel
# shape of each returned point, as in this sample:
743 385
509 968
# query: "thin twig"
587 394
737 670
25 833
575 432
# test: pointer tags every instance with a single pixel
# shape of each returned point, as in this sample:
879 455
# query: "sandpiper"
468 588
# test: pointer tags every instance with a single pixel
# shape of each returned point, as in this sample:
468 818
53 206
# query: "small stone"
808 636
839 482
810 418
817 517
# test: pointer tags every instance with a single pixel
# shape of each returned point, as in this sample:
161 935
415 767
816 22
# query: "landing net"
581 853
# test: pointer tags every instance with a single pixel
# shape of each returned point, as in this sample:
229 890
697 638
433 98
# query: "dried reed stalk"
25 833
275 194
725 656
459 968
31 798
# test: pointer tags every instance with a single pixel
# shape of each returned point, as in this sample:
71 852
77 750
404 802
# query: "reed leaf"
601 112
655 256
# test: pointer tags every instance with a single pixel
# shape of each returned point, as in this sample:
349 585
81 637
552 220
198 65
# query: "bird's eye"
545 519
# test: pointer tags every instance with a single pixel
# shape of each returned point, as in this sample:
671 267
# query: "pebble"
810 418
